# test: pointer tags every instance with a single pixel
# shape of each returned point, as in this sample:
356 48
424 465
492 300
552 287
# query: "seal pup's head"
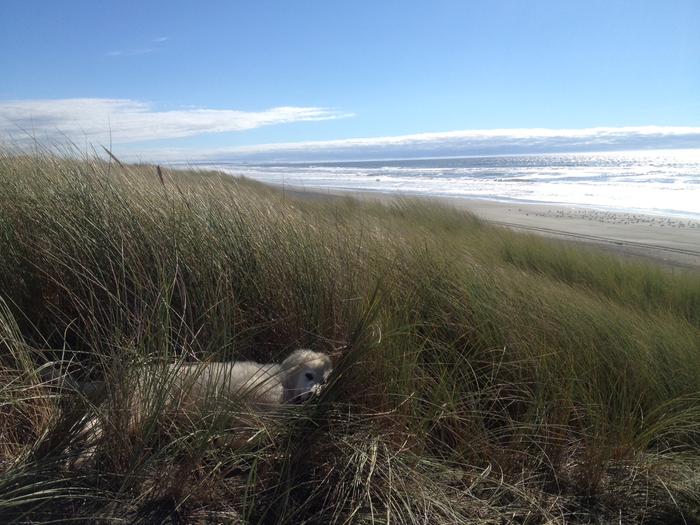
304 372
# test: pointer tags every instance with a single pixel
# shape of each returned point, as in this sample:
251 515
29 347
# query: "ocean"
653 182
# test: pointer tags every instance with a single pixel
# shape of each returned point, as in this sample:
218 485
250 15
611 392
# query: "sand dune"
669 240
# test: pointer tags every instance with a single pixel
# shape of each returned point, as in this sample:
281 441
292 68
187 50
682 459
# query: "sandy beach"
671 241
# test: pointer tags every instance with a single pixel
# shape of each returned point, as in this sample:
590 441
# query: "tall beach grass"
482 375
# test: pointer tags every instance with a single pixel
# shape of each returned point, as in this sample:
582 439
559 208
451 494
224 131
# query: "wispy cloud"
453 143
135 51
124 121
130 52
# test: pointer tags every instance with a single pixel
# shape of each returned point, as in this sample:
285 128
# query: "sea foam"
655 182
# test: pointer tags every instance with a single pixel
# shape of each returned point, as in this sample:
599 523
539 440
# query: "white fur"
256 385
185 392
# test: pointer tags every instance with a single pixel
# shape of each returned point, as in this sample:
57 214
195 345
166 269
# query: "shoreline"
671 241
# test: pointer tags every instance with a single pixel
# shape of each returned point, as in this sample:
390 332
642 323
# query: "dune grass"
482 376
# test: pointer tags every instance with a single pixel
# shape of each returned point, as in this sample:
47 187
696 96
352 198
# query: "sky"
328 79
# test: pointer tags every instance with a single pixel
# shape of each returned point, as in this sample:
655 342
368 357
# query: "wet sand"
671 241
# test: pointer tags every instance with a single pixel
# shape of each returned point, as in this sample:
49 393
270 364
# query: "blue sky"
197 79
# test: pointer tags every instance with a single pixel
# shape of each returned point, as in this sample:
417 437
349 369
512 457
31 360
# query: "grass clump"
482 376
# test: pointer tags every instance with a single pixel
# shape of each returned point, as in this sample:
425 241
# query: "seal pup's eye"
309 376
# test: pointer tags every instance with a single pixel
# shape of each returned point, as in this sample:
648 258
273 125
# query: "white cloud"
454 143
130 121
491 136
93 119
135 51
130 52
